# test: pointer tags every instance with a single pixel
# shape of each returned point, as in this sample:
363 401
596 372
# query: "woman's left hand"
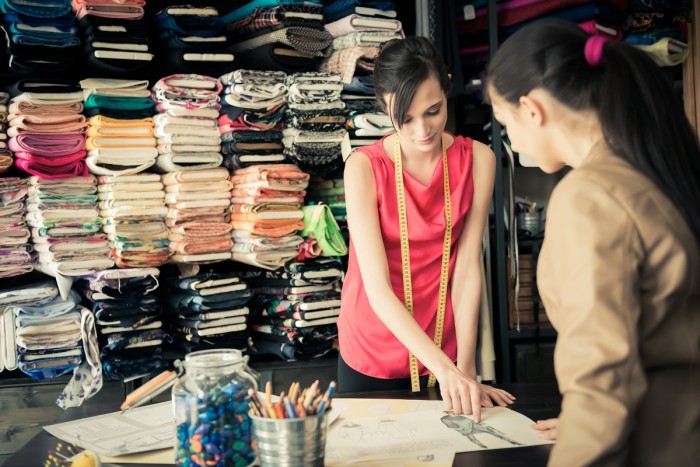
491 395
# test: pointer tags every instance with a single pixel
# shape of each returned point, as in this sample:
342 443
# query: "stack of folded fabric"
133 211
295 310
186 126
659 29
251 118
48 333
284 35
120 134
65 225
191 39
330 192
343 18
207 310
5 154
15 251
366 127
198 215
354 49
314 136
46 128
41 36
32 294
115 37
266 214
127 314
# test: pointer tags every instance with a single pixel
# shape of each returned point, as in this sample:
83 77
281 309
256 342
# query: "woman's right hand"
546 429
460 394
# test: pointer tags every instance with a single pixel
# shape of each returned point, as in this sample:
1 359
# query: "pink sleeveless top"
366 344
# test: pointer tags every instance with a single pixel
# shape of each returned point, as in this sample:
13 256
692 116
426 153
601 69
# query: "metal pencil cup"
532 222
291 442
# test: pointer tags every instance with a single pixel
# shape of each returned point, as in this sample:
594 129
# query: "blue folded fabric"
340 5
65 21
49 368
37 8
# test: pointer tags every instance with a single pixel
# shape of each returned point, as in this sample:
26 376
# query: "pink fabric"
366 343
48 145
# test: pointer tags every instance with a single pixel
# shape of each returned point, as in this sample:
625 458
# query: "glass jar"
210 404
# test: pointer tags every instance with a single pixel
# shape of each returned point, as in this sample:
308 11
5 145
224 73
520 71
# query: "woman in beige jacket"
619 271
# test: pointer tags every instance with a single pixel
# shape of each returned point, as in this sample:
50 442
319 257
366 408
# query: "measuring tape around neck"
406 259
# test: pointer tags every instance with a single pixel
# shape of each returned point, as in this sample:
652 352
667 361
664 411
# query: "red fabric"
366 343
514 12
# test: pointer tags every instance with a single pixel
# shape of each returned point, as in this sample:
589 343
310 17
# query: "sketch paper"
138 430
389 436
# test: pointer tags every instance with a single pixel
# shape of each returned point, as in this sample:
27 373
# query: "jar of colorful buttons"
210 404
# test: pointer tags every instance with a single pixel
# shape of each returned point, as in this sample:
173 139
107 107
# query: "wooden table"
534 400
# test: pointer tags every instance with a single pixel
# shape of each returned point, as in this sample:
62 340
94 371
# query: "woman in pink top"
376 330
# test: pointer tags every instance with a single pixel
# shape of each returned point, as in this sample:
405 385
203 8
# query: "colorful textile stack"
41 36
48 333
15 256
66 227
127 314
115 37
284 35
186 126
314 136
295 310
266 214
198 215
251 116
659 28
133 214
207 310
366 127
46 128
191 40
5 154
32 294
120 133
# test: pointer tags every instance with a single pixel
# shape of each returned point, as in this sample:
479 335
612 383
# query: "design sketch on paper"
469 428
352 431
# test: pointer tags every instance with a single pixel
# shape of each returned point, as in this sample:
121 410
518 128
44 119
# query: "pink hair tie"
594 50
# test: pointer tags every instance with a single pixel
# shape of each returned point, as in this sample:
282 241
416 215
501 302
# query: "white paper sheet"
425 431
138 430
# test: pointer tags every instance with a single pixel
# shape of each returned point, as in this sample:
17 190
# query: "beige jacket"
619 275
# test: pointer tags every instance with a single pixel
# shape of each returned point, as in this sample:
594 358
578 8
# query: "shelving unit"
506 337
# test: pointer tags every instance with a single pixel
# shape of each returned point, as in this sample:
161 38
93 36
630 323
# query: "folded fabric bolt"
364 39
76 168
666 51
221 185
131 195
174 162
267 260
203 258
277 176
110 86
161 131
182 112
106 165
309 40
197 140
74 268
48 145
144 152
120 131
164 119
96 142
209 175
355 23
51 123
28 108
197 88
345 61
8 345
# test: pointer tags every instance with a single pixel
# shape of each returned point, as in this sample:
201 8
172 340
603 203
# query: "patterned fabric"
345 61
312 41
266 18
364 39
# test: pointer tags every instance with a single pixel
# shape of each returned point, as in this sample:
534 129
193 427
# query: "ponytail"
642 119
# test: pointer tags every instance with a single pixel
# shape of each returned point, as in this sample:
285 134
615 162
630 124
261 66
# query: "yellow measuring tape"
406 259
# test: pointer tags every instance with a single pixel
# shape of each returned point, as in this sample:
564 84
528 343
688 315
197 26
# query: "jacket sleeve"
588 278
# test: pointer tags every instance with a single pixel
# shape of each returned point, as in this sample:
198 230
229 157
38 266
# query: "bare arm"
466 277
458 392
